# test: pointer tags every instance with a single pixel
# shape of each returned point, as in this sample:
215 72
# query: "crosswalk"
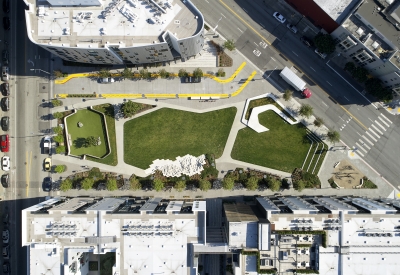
373 134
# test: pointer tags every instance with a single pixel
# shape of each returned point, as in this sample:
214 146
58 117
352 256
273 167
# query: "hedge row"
81 95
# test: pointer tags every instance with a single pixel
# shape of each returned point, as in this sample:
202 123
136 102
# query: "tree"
360 74
182 73
144 73
135 183
60 150
324 43
350 67
333 136
111 184
60 168
228 183
318 121
87 183
221 72
104 73
374 87
58 139
58 73
306 110
287 95
90 141
229 44
130 108
158 185
204 185
299 185
163 73
180 185
96 173
56 102
126 73
252 183
66 185
198 72
58 115
57 130
274 184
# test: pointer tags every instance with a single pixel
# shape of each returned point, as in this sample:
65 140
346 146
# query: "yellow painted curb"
238 91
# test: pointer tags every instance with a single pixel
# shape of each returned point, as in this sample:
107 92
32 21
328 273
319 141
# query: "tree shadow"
80 142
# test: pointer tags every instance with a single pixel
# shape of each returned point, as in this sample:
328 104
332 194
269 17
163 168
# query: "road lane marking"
294 53
358 152
364 137
312 69
329 83
360 147
359 134
245 11
372 137
266 40
380 125
345 97
273 59
383 121
376 129
223 15
240 30
262 25
371 120
324 103
372 131
386 118
207 2
255 43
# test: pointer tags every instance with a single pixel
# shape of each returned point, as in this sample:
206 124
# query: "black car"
5 123
306 41
6 6
5 89
5 56
47 183
6 23
5 180
5 104
6 218
6 268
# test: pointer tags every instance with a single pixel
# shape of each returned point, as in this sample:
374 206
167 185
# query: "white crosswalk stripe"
364 137
359 153
371 137
383 121
380 125
360 147
376 129
372 131
386 118
365 145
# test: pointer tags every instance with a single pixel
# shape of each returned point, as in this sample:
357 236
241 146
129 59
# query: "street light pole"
216 25
272 72
41 71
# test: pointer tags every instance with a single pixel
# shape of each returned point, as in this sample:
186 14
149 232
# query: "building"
132 235
333 235
116 31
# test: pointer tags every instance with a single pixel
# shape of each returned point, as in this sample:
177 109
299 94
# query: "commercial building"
333 235
128 235
116 31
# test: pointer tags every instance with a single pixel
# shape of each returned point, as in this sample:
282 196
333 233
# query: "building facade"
116 31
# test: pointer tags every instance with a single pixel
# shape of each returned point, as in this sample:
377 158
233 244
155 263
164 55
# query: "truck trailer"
296 82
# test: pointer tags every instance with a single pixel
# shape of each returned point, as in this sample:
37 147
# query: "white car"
107 80
5 163
322 55
279 17
6 236
292 28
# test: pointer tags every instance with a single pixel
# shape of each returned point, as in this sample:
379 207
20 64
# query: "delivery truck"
296 82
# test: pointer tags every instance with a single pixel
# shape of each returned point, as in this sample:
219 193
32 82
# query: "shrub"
87 183
58 115
60 150
306 110
285 184
163 73
220 73
158 185
204 185
180 185
135 183
127 73
318 121
299 185
95 173
287 95
144 73
333 136
130 108
104 73
58 139
198 73
182 73
57 130
252 183
58 73
228 183
60 169
66 185
274 184
229 44
111 184
90 141
209 171
56 102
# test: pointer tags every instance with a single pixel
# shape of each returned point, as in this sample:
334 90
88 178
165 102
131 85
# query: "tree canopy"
306 110
158 185
130 108
228 183
324 43
111 184
204 185
252 183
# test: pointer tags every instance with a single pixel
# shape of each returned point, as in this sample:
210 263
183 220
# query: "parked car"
5 104
5 89
6 268
47 164
6 217
5 180
6 252
6 23
306 41
4 74
5 123
47 145
107 80
6 236
5 143
279 17
5 163
5 56
6 6
47 183
292 28
322 55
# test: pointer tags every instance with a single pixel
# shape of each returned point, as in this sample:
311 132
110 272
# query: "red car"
5 143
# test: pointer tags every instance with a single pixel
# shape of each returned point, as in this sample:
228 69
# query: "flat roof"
106 204
267 204
127 23
297 203
334 204
338 9
151 204
239 212
373 205
72 204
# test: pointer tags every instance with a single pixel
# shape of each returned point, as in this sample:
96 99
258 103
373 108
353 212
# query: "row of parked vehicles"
6 244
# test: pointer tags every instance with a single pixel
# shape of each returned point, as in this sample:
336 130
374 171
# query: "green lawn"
283 147
168 133
93 125
108 110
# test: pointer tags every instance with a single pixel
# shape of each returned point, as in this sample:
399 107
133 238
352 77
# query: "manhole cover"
43 87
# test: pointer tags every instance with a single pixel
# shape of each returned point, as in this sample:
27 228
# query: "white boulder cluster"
186 165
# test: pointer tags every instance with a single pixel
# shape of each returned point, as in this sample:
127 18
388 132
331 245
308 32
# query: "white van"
322 55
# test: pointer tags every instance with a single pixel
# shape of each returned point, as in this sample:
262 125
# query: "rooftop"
127 23
337 10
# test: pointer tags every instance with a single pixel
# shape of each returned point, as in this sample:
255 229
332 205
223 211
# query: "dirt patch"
347 175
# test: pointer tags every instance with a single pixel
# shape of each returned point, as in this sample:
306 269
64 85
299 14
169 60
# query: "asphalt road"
375 133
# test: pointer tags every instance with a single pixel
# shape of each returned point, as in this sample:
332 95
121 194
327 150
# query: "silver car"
4 74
